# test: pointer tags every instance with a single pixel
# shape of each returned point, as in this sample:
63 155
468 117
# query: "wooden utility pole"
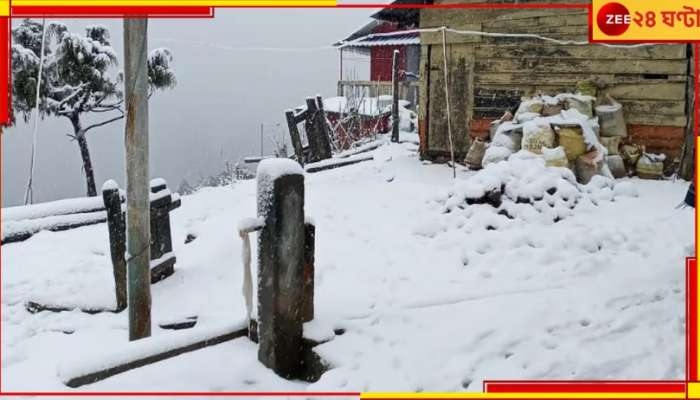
138 235
395 95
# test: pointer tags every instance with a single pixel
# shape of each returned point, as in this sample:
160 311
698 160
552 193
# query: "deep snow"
429 301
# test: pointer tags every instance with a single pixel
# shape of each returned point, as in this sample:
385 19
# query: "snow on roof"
385 39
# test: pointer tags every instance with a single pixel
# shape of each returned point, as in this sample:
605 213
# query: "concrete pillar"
281 265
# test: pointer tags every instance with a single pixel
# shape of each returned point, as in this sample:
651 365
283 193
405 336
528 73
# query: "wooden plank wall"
649 81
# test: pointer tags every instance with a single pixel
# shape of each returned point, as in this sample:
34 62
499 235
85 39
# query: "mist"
236 71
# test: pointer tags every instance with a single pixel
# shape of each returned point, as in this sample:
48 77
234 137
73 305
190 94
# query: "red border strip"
584 386
696 56
113 11
489 386
5 69
691 277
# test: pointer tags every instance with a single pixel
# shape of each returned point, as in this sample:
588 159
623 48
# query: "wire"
353 42
251 48
29 193
447 103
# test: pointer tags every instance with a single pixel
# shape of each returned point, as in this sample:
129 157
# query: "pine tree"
76 79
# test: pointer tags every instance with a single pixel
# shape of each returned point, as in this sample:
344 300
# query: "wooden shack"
489 74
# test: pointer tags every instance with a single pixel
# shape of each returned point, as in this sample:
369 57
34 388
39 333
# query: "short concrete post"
117 239
281 265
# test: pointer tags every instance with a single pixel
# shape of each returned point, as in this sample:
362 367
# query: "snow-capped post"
117 240
281 265
395 97
294 134
310 128
162 263
316 132
327 152
162 257
138 235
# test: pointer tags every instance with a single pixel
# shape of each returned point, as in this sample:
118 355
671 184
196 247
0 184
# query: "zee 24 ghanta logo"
614 19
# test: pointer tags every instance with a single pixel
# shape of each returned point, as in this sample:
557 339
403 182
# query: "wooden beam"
527 65
593 51
322 166
34 307
147 359
569 78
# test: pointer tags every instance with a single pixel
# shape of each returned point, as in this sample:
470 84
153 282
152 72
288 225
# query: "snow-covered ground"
429 301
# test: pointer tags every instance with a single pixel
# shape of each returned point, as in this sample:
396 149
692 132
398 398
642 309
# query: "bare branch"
103 123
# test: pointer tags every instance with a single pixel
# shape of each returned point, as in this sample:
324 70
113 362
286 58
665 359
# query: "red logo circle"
613 19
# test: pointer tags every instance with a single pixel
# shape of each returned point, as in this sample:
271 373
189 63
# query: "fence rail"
22 222
408 90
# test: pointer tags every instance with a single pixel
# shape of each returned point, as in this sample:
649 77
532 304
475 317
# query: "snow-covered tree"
76 79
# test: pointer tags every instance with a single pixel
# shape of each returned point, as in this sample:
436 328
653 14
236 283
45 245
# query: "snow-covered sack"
536 135
503 138
611 144
555 157
612 121
588 165
494 154
552 106
532 105
651 166
521 118
475 154
578 102
616 165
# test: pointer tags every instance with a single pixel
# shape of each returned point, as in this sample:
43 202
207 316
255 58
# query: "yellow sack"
570 137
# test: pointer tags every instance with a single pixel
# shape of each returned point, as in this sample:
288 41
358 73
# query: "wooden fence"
408 90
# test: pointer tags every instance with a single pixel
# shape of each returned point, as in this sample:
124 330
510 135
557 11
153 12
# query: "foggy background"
227 86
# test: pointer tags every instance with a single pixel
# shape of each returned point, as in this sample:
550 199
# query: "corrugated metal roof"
386 39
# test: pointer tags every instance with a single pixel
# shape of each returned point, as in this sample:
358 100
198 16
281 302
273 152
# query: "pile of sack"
525 189
569 131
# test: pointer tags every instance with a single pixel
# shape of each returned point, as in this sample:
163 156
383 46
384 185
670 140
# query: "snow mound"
626 189
494 154
523 187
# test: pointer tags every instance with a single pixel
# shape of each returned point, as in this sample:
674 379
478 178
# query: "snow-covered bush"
77 79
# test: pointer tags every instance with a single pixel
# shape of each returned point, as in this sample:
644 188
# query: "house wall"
382 56
381 62
487 75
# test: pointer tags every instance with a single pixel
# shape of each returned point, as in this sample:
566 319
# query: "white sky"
225 90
